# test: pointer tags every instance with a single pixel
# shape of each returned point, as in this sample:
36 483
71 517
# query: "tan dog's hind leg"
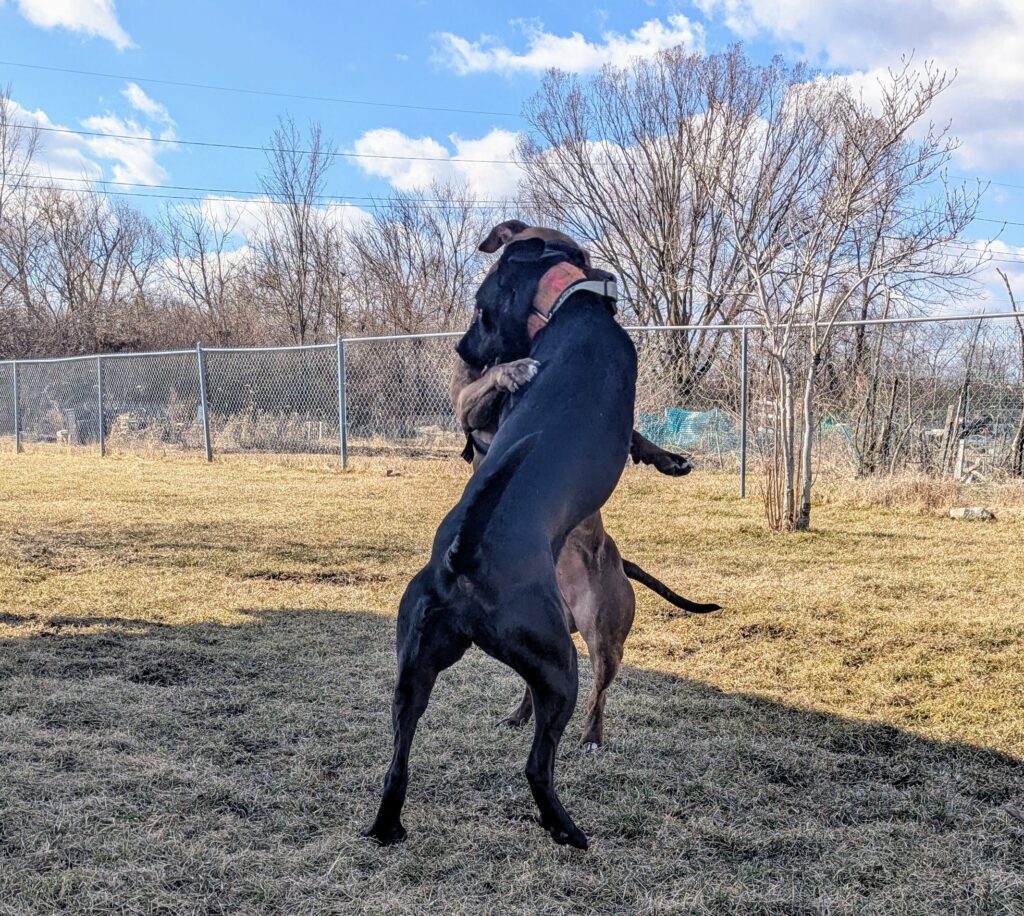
601 607
605 660
615 606
522 714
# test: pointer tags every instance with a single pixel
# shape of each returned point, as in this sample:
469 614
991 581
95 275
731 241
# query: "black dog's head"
505 299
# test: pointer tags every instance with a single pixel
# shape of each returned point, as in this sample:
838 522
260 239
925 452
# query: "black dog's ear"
595 273
525 250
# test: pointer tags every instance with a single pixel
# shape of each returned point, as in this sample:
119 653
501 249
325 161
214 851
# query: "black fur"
558 454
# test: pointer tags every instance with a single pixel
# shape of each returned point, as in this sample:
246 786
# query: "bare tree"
204 264
414 266
93 271
295 262
18 228
823 172
632 161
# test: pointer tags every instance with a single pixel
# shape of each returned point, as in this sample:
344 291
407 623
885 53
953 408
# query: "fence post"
203 403
17 408
99 405
342 407
743 414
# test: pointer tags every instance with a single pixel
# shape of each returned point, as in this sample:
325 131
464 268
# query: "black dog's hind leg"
541 650
426 647
554 699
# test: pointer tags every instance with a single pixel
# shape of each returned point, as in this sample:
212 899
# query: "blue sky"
455 55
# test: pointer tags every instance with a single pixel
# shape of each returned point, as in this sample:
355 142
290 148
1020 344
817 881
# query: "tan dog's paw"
512 376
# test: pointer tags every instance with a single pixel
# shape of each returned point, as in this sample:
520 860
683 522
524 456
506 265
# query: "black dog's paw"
513 722
385 835
671 464
565 834
571 837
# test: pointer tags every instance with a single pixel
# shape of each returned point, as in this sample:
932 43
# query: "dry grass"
194 673
928 494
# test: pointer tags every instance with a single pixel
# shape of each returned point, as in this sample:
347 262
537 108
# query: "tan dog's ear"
500 235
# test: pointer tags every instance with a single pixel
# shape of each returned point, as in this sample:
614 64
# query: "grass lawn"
195 667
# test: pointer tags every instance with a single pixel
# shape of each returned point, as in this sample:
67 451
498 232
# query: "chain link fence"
396 391
940 397
151 401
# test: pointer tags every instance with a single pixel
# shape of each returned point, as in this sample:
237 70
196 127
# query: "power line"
482 204
339 100
261 92
97 192
1002 184
267 149
961 248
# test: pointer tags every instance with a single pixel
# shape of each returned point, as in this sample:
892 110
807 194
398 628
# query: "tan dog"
592 576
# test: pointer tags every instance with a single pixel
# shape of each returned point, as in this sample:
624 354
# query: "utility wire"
97 192
261 92
1002 184
982 219
343 101
954 248
266 149
329 197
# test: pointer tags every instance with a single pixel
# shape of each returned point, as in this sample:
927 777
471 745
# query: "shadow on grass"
200 768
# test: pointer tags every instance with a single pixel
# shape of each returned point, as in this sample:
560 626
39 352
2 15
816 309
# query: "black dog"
558 454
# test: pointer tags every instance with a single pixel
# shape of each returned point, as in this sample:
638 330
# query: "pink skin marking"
549 289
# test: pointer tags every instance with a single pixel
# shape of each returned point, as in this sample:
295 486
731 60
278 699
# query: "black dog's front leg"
643 451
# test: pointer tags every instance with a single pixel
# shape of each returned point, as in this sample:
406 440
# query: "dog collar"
607 289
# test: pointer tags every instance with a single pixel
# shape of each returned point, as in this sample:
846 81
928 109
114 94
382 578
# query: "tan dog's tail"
638 574
462 555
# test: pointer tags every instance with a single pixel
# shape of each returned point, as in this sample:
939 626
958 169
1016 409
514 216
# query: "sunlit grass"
194 672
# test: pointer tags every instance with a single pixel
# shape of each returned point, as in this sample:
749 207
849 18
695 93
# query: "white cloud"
57 155
135 161
1008 258
150 107
72 156
95 18
983 40
494 178
246 217
572 52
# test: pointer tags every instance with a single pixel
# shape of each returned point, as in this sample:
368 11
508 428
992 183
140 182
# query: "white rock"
973 514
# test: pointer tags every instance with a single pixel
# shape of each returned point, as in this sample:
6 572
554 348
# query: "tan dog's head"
516 230
502 234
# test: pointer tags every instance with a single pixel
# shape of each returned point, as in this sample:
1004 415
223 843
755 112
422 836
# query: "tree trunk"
788 457
1017 450
883 445
803 518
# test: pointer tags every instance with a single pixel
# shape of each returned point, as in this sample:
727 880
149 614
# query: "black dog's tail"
637 574
461 556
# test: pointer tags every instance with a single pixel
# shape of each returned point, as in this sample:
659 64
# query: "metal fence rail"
943 394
